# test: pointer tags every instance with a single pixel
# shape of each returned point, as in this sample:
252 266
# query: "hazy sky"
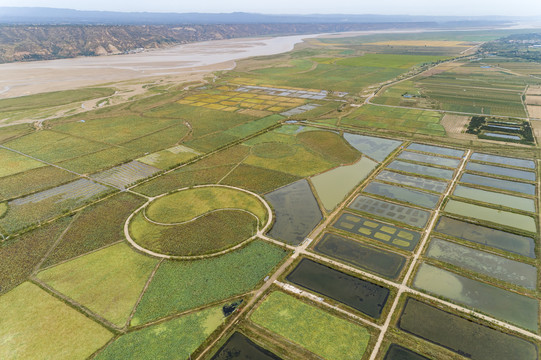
406 7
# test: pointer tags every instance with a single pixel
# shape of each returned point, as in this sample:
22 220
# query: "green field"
37 325
324 334
108 282
206 281
396 120
169 340
13 163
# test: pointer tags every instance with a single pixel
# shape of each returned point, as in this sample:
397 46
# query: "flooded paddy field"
373 147
505 305
126 174
499 217
404 214
297 212
240 347
333 186
498 239
378 231
397 352
502 171
362 295
429 159
503 160
495 198
436 150
510 185
413 181
495 266
463 336
421 170
381 262
414 197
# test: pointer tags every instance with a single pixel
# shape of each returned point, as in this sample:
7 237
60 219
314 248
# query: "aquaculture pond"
373 147
400 213
510 185
505 218
429 159
378 231
436 150
502 304
381 262
465 337
414 197
297 212
498 239
482 262
503 160
413 181
333 186
502 171
397 352
239 347
421 169
495 198
359 294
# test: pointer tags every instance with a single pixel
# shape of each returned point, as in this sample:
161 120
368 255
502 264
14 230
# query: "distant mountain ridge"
52 16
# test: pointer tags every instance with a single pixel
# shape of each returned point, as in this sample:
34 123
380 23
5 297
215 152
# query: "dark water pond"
525 163
502 171
381 262
239 347
463 336
297 212
359 294
510 185
514 243
436 150
397 352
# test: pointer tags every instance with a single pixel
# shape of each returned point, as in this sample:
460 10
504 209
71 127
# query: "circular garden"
198 221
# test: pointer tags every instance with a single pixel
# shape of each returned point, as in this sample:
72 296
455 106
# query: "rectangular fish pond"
421 170
495 266
495 198
429 159
500 217
240 347
501 171
510 185
373 147
362 295
498 239
464 337
413 181
494 301
402 194
381 262
400 213
503 160
333 186
436 150
378 231
397 352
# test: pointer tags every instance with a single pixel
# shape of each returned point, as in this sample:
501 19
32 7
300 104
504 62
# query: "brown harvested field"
441 68
533 90
455 126
534 111
536 127
533 99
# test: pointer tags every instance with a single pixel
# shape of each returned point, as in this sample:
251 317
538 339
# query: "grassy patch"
388 60
210 233
107 282
55 98
206 281
188 204
169 340
396 120
54 147
10 132
168 158
257 179
330 145
37 325
97 226
19 257
253 127
13 163
312 328
103 159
